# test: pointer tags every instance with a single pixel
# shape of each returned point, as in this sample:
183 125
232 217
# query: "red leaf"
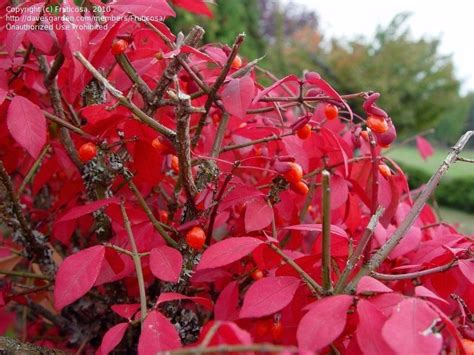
226 307
25 23
237 96
194 6
369 284
227 251
318 228
424 147
80 211
369 330
125 310
339 191
409 328
27 125
269 295
323 323
326 88
146 8
166 263
3 86
172 296
261 94
258 215
112 338
422 291
226 333
467 269
158 334
77 274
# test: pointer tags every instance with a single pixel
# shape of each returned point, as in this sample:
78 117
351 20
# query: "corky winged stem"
326 240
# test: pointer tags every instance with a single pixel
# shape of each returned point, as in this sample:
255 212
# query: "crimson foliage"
188 139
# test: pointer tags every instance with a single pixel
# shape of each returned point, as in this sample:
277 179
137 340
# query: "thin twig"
36 248
259 348
359 251
218 199
34 168
326 234
379 257
183 147
267 139
217 84
128 68
150 215
136 261
193 37
314 287
221 129
416 274
24 274
123 100
375 172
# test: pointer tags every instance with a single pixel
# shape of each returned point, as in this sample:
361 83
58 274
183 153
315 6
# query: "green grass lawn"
465 220
409 155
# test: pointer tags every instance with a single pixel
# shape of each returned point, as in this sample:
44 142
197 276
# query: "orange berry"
385 170
257 274
331 111
237 62
365 135
163 216
175 164
195 238
300 187
468 346
87 151
119 46
156 143
377 124
304 132
294 174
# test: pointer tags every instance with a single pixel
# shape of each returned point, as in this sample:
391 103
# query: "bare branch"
379 257
123 100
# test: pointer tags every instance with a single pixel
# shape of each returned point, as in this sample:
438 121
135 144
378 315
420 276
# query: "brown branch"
26 274
34 168
13 346
312 284
221 129
259 348
136 261
150 215
141 85
379 257
358 252
193 37
326 233
183 146
375 172
217 84
218 199
124 101
33 241
52 86
416 274
267 139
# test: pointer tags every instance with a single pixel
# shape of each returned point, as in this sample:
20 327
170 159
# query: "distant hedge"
457 192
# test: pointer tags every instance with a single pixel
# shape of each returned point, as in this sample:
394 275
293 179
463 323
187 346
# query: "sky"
450 21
